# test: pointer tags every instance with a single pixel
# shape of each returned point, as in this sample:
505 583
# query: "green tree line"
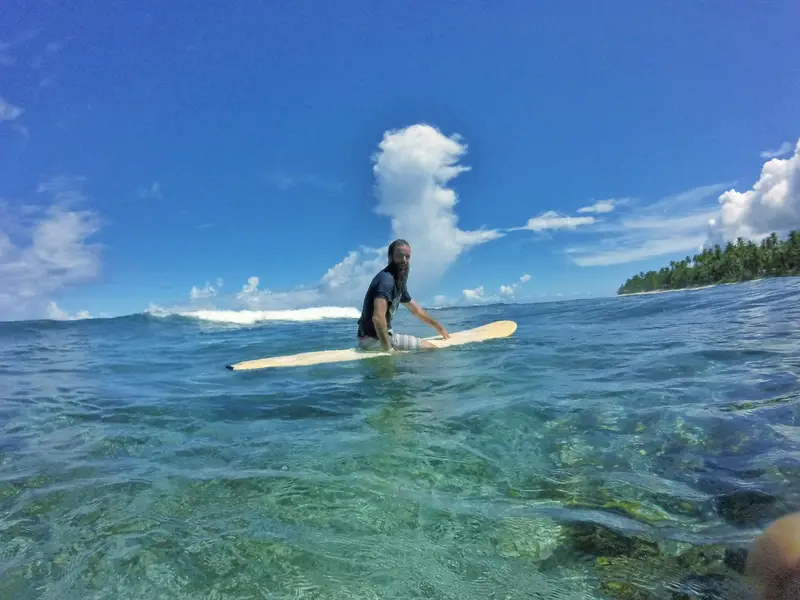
739 261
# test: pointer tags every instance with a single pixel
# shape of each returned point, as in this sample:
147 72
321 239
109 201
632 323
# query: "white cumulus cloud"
412 171
772 204
479 295
207 291
358 266
53 311
511 289
413 168
256 298
475 294
46 249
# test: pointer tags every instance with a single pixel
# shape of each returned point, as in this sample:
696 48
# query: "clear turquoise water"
134 465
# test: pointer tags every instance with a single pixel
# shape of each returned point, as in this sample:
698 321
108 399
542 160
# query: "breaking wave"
249 317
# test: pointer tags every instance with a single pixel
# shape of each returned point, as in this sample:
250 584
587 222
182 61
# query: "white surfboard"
490 331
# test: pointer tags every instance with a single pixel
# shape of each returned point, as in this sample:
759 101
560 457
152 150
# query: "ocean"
626 447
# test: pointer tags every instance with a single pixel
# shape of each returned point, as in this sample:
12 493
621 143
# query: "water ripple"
611 446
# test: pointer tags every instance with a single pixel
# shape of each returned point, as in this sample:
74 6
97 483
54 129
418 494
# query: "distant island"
740 261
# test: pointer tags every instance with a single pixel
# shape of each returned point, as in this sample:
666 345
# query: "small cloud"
209 291
476 294
510 290
47 82
65 189
49 49
785 148
154 191
22 131
9 112
552 220
280 180
439 300
600 207
57 314
284 182
8 60
256 298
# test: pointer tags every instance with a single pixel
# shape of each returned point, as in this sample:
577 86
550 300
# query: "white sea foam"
248 317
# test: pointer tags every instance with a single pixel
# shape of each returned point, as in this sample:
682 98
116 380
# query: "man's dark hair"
397 242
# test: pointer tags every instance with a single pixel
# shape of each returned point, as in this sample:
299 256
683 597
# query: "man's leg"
399 341
402 341
369 344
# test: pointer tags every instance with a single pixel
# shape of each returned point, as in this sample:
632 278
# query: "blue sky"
154 148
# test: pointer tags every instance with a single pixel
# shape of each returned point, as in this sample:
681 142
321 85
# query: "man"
386 292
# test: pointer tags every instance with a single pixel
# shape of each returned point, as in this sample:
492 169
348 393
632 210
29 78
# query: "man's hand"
443 332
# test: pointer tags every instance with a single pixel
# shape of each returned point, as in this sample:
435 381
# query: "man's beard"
400 274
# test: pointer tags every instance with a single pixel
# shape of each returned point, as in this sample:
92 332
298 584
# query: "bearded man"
386 292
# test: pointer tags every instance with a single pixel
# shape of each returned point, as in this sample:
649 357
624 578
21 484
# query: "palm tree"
741 261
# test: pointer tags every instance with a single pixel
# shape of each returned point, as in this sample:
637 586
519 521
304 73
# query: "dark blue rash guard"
383 286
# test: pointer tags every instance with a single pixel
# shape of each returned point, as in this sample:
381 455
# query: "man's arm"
418 312
379 307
